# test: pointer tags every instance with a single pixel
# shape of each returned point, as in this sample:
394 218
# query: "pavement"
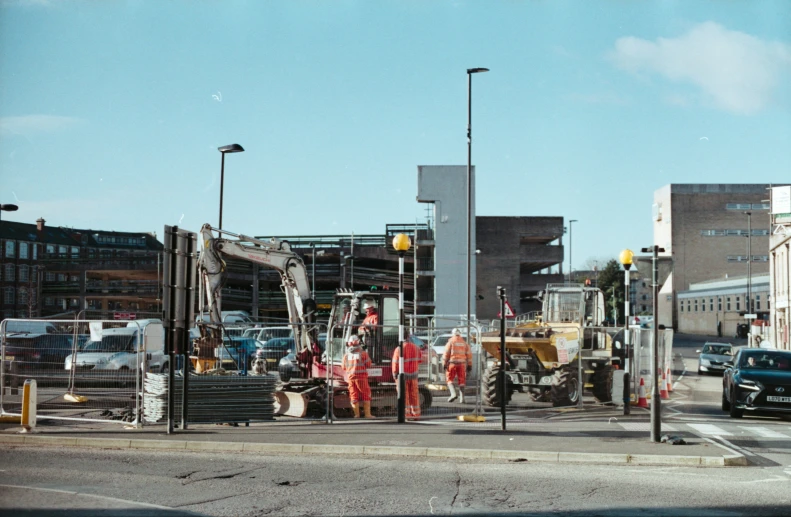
571 437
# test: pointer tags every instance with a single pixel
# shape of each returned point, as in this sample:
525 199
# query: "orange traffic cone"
669 381
642 401
663 388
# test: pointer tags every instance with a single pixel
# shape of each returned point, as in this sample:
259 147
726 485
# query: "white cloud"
737 72
30 124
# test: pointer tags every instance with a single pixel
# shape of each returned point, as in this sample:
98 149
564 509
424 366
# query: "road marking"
764 432
729 446
710 429
644 426
675 384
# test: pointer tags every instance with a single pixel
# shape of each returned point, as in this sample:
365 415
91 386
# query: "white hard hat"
457 332
369 304
353 341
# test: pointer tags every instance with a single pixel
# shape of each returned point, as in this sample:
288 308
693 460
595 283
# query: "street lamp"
469 250
401 245
749 264
233 148
8 207
571 243
626 257
656 409
313 272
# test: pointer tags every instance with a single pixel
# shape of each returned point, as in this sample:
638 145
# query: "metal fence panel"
85 370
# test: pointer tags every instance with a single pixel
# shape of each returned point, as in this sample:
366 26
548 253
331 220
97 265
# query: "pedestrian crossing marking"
764 432
644 426
710 429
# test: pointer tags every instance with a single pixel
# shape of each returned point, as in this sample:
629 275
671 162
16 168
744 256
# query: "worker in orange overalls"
367 328
412 358
458 361
356 363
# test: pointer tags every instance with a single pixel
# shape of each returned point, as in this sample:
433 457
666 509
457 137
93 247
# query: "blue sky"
111 112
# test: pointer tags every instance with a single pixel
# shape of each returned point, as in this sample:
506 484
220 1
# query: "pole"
313 272
401 378
469 202
222 180
749 264
656 403
627 394
503 384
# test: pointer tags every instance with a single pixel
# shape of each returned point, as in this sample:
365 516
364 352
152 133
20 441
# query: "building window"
681 306
703 305
696 305
719 304
63 250
61 277
23 250
74 278
738 303
23 296
760 206
9 273
9 249
711 304
643 308
757 304
737 258
75 302
739 206
49 276
689 306
60 302
49 301
75 251
760 258
50 249
23 274
8 296
728 303
35 251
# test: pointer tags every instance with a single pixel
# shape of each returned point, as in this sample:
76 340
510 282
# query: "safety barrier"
84 370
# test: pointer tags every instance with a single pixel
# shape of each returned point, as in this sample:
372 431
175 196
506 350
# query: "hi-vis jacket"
356 363
457 351
412 358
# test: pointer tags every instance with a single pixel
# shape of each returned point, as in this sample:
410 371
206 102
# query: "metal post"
222 180
571 243
468 251
313 272
501 380
656 403
627 393
749 264
401 378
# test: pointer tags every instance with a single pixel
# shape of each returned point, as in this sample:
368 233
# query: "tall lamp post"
401 245
469 250
749 304
656 404
233 148
313 270
627 258
8 207
571 245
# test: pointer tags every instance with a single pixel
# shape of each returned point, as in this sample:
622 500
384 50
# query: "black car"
760 380
40 352
275 349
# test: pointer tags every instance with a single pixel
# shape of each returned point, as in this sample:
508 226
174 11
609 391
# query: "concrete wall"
446 187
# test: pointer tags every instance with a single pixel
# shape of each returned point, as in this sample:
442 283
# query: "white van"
117 348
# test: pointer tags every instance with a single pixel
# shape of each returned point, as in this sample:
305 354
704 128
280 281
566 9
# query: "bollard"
29 403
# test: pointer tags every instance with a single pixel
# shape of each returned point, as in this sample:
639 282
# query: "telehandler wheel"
490 387
602 384
425 398
565 387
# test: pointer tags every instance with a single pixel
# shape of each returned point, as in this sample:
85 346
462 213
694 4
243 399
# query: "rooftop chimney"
40 224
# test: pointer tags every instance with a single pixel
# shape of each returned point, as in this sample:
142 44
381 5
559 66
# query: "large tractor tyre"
425 399
490 387
602 385
565 387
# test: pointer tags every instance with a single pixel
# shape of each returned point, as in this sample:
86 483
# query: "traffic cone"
663 388
642 401
669 381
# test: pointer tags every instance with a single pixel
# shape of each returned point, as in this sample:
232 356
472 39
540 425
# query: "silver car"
715 357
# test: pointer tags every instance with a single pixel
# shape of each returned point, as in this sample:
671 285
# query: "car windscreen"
717 350
118 343
268 334
767 361
279 344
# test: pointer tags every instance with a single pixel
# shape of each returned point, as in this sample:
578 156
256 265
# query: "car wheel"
285 376
164 369
726 406
734 411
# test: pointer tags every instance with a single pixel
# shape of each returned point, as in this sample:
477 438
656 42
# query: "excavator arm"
274 254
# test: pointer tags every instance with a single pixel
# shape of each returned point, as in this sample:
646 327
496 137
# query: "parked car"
760 380
116 348
287 367
237 352
276 348
39 352
262 335
715 357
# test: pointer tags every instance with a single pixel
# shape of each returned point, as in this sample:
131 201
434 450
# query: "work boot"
367 409
452 389
356 409
461 395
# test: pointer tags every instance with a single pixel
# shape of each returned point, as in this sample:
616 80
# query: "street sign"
509 311
750 316
124 316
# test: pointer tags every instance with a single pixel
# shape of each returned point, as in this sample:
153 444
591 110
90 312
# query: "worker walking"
356 363
458 361
412 358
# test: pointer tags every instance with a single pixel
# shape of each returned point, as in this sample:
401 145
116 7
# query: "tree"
611 276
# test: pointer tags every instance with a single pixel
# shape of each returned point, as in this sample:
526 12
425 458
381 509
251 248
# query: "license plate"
9 358
375 372
772 398
268 361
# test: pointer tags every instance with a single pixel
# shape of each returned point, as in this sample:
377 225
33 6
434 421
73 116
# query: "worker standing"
412 358
356 363
458 361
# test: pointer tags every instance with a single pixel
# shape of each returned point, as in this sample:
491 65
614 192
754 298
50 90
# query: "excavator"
323 386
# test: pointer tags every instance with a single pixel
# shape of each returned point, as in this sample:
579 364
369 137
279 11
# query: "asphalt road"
254 484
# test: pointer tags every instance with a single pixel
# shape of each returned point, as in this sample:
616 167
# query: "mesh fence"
84 370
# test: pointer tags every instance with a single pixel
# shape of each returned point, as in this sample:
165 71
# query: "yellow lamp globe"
401 242
626 257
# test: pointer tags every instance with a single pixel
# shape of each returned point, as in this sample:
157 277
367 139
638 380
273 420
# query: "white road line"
733 446
710 429
721 446
763 431
675 384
